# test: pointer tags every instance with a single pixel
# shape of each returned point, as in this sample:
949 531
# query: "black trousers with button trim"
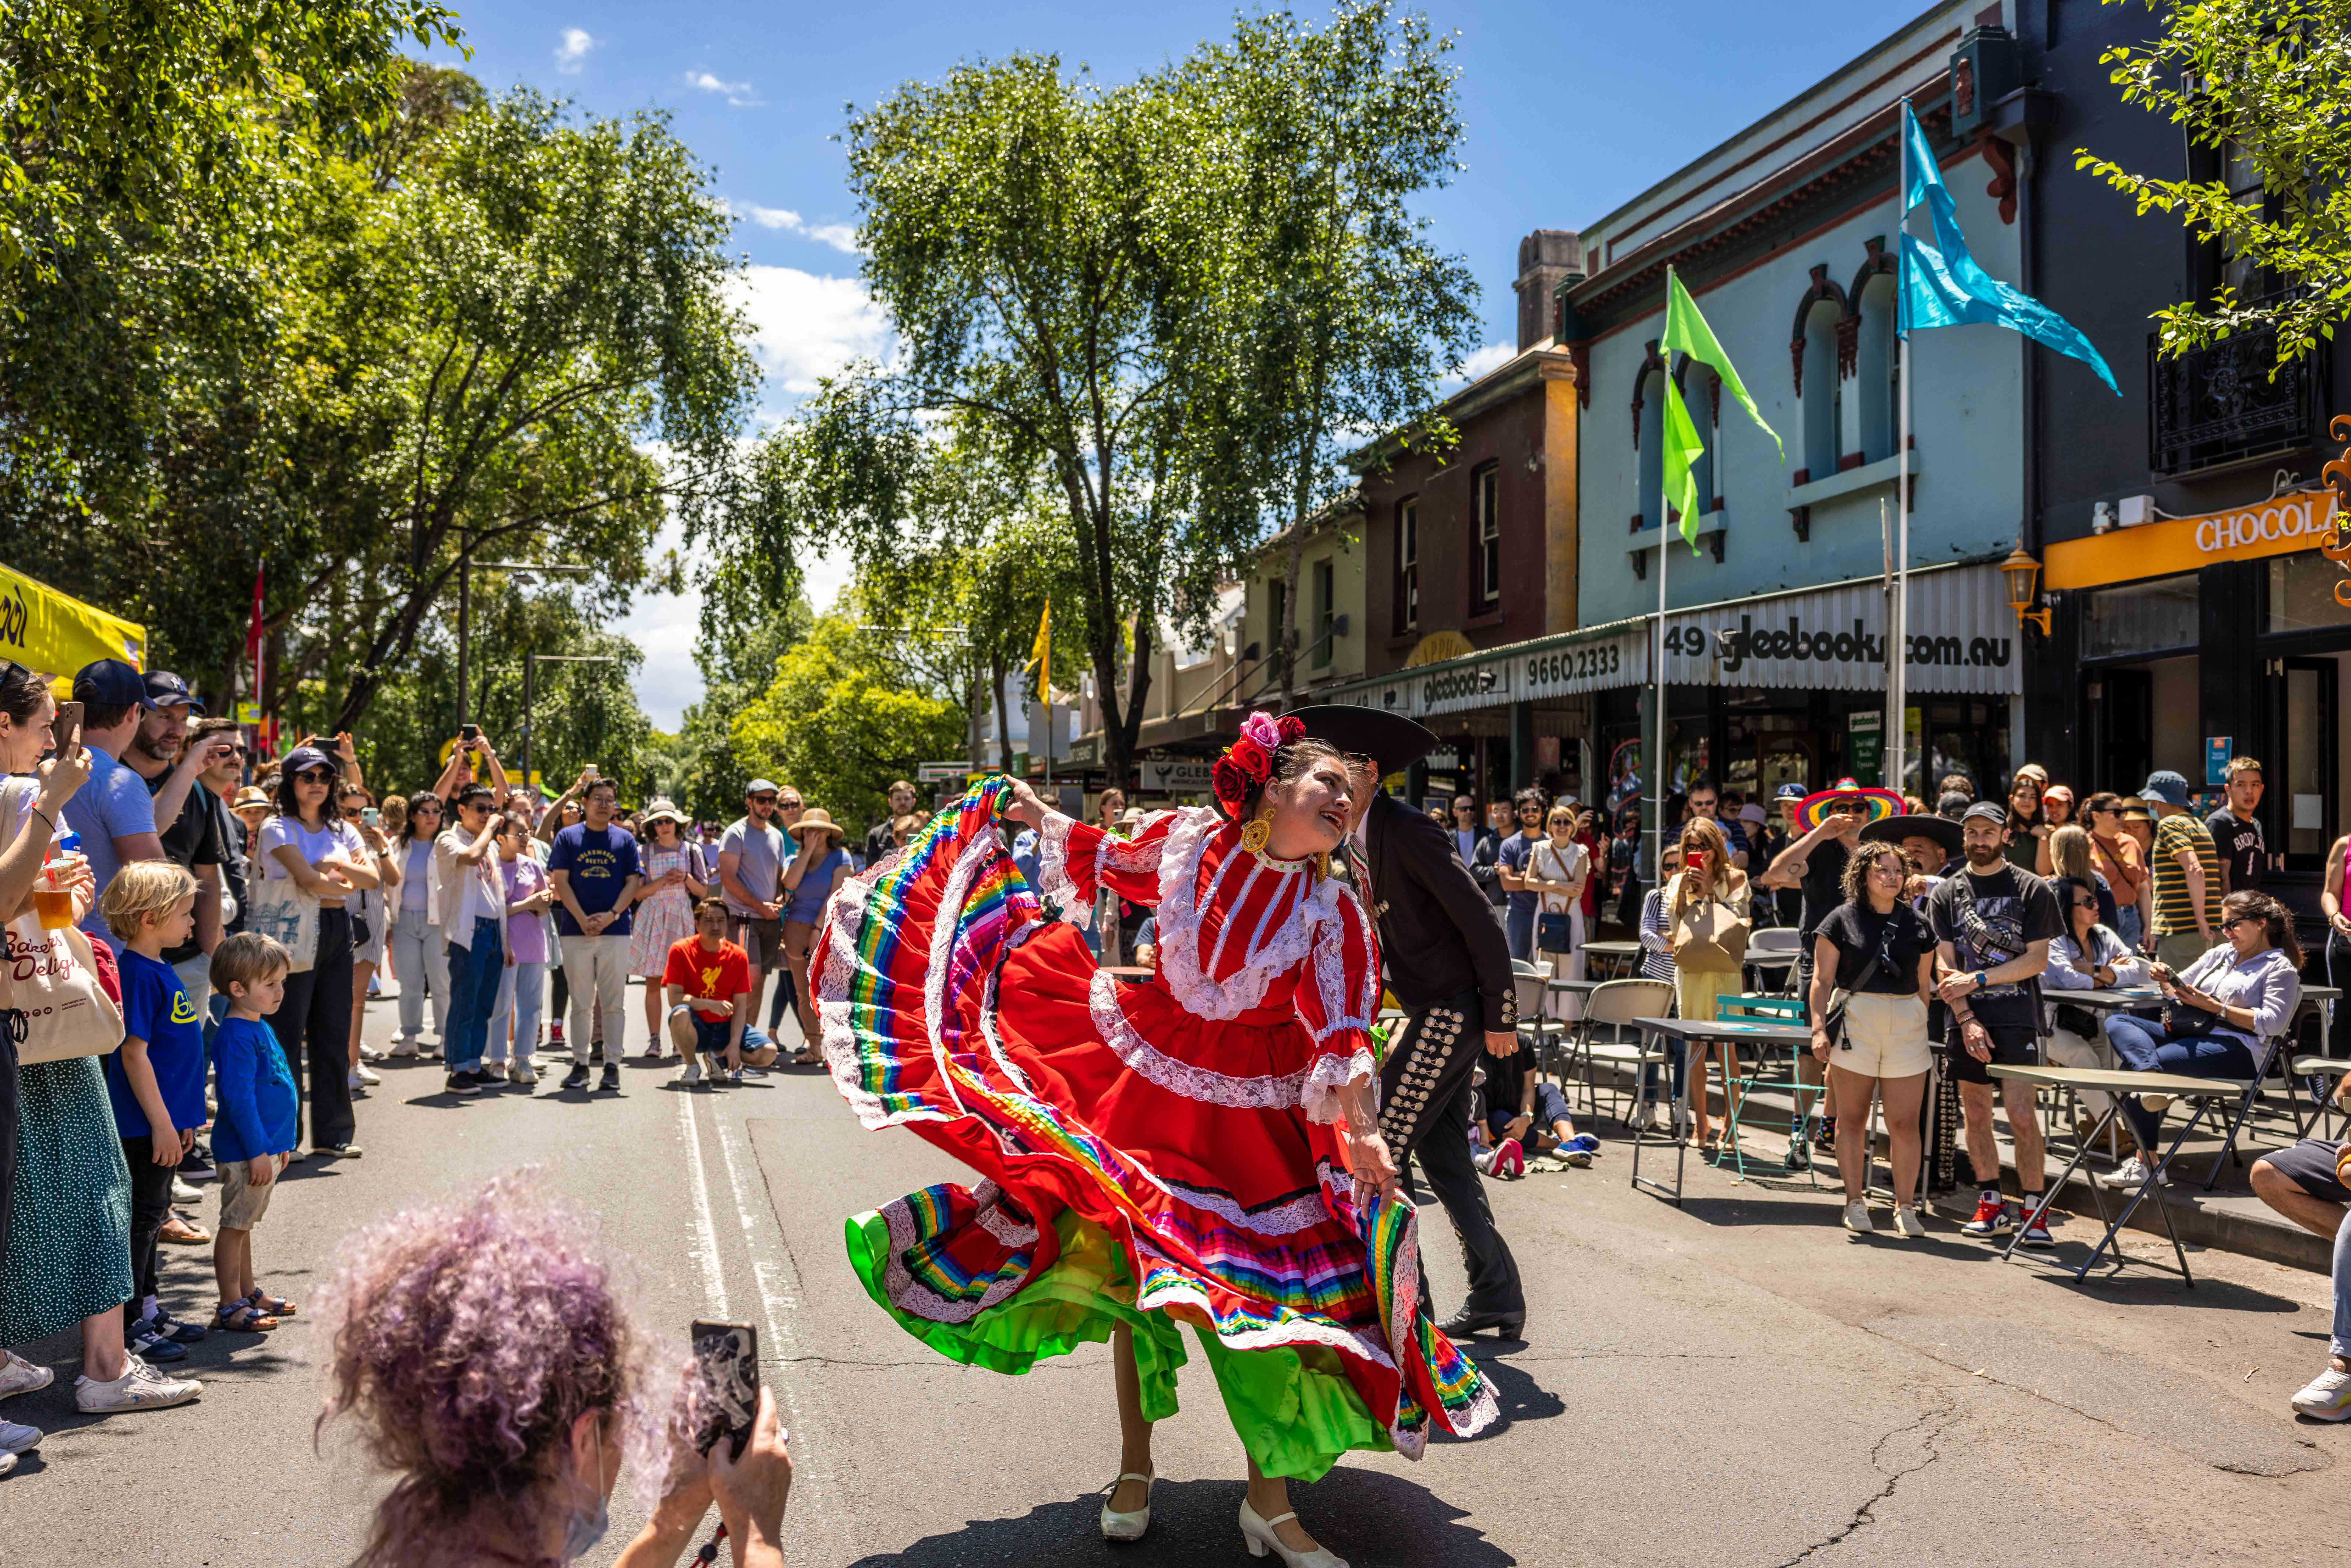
1426 1089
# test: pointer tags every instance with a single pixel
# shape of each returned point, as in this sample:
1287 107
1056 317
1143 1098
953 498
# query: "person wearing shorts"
254 1128
708 979
1874 957
1993 923
2304 1183
752 854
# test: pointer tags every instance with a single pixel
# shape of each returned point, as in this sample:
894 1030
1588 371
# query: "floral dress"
1151 1152
667 918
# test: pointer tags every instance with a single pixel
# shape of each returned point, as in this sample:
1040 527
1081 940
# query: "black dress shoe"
1466 1322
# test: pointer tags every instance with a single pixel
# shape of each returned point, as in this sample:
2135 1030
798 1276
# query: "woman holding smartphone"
327 859
370 911
2226 1003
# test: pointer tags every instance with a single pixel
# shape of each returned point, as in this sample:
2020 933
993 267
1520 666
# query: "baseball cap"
302 759
110 683
1953 805
760 786
165 689
2166 785
1790 792
1989 810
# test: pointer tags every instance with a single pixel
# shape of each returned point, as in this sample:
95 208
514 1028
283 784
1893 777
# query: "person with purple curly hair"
492 1370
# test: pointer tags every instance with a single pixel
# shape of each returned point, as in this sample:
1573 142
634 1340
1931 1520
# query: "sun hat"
1754 812
2135 809
1915 825
2166 785
1881 803
815 818
661 806
1391 741
253 795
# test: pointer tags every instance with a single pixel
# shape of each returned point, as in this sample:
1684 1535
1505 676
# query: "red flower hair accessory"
1247 762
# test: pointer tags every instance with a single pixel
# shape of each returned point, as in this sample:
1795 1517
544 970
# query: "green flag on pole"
1685 330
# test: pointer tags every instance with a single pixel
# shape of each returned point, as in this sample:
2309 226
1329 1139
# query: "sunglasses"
763 799
2090 904
353 811
312 776
789 805
2236 920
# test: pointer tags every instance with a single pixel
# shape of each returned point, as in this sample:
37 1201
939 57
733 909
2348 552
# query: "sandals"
275 1306
243 1317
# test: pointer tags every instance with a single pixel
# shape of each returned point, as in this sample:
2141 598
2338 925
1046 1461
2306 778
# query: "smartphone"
370 816
469 733
728 1357
66 729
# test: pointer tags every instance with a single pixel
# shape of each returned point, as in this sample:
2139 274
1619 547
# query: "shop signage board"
2216 753
1864 746
937 772
1176 775
1963 638
2282 525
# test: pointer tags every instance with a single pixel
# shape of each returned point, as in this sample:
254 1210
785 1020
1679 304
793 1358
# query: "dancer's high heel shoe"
1118 1526
1257 1533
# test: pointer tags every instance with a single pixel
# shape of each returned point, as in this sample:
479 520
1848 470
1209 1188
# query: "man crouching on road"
709 984
2307 1183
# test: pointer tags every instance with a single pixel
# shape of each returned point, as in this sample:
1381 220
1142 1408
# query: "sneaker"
16 1437
654 1051
1993 1218
2131 1173
1482 1160
461 1084
1582 1144
144 1341
1907 1221
520 1071
2036 1235
404 1048
1825 1141
578 1077
2326 1397
363 1073
336 1151
611 1082
354 1082
2155 1105
689 1075
1509 1160
18 1375
175 1331
140 1387
1799 1158
1857 1220
182 1193
1645 1116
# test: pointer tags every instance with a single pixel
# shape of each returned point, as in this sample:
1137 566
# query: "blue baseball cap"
111 683
1790 792
2166 785
165 689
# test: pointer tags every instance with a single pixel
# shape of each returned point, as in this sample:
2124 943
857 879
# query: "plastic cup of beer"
53 903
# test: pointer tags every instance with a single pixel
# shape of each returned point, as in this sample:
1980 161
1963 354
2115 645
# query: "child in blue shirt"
253 1133
156 1080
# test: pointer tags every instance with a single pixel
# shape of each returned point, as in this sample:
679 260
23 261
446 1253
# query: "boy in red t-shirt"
709 983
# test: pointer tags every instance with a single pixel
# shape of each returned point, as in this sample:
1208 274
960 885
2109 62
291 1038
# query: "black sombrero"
1391 741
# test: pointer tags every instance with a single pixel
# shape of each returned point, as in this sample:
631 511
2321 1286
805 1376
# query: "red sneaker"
1993 1218
1509 1160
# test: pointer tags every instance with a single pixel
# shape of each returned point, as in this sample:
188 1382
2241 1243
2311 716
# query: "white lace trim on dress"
1319 1096
1054 882
1271 1092
1301 1213
919 1299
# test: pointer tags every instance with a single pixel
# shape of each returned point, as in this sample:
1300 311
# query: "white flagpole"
1658 671
1897 630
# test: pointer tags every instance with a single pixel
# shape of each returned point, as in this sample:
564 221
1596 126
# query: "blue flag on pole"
1942 285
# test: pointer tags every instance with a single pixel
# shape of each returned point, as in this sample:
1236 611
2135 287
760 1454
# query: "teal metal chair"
1765 1010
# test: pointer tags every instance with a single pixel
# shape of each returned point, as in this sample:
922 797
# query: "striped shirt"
2175 912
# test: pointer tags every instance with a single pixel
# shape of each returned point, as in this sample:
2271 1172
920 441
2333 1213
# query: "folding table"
2201 1091
1694 1032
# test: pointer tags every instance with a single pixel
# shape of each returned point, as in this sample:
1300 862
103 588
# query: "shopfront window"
2301 594
2143 618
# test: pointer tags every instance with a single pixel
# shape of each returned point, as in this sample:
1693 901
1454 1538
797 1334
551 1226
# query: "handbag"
54 974
1554 928
1709 936
280 909
1833 1022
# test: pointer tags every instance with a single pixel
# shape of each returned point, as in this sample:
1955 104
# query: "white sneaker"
521 1071
182 1193
1907 1220
142 1387
1645 1116
16 1437
2155 1105
18 1375
2129 1174
689 1075
2327 1398
1857 1219
404 1048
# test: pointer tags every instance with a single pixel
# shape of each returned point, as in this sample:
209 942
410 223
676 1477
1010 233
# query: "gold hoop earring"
1259 830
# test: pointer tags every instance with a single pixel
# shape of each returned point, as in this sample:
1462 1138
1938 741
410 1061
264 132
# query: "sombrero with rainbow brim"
1882 803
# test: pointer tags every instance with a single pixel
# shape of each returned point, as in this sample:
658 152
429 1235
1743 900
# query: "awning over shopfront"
2280 525
52 632
1963 640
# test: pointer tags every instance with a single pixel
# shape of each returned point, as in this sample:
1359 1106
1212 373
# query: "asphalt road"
1736 1382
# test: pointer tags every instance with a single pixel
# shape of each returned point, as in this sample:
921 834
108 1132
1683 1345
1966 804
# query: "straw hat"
253 795
1881 803
815 819
662 806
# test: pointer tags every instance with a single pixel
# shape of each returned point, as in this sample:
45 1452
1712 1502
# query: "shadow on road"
1368 1517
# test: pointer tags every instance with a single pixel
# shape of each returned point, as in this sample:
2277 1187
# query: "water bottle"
52 901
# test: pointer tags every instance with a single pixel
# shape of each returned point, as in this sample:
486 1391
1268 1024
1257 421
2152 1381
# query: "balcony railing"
2219 405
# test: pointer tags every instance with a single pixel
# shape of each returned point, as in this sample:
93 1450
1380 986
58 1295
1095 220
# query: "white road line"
772 1302
713 1280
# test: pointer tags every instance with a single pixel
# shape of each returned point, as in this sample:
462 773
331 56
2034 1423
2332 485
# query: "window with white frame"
1407 568
1486 523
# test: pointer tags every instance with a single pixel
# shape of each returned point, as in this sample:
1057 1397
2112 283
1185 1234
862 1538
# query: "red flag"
253 631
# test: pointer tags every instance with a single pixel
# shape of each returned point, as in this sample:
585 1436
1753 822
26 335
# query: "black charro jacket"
1438 936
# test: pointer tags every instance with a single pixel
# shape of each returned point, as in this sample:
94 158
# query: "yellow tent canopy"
53 632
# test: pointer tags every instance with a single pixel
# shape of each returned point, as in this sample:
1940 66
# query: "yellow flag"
1041 655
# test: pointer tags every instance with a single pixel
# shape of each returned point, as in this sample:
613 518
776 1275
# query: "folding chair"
2325 1070
2271 1053
1615 1005
1528 982
1776 939
1770 1009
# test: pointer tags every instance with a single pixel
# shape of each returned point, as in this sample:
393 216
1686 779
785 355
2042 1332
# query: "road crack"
1943 1416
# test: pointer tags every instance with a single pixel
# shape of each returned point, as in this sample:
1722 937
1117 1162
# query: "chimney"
1545 257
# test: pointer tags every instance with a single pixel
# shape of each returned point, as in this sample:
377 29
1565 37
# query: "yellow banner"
49 631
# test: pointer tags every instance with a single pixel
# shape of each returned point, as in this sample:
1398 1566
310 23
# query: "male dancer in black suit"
1449 962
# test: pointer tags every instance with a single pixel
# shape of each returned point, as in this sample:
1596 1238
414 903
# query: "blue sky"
1569 109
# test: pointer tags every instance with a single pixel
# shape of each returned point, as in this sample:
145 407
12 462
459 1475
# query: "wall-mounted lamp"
2023 574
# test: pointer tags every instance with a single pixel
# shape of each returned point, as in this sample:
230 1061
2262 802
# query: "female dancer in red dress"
1198 1148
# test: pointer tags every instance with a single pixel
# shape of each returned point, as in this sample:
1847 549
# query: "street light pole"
529 687
465 564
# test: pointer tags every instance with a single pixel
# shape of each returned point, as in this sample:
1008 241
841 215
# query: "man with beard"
191 823
1448 963
1993 923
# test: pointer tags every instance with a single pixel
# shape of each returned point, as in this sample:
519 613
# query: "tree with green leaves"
2266 85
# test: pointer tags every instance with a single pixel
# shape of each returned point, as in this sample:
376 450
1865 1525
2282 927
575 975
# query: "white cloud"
804 327
571 54
841 237
737 94
1486 361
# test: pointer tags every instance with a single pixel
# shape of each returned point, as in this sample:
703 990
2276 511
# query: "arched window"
1698 383
1876 381
1819 387
1648 432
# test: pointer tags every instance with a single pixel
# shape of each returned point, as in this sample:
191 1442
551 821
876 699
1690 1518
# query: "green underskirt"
1293 1409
